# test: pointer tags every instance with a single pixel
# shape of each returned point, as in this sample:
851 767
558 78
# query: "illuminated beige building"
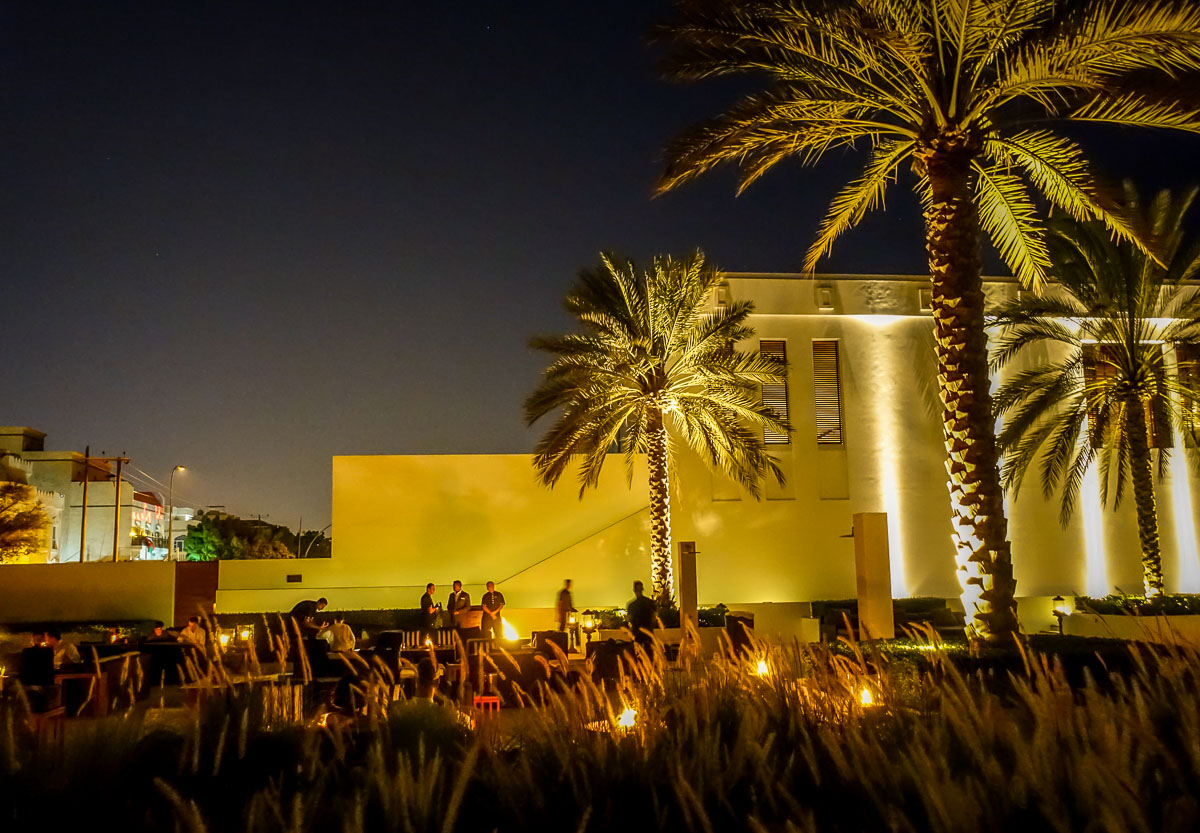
861 396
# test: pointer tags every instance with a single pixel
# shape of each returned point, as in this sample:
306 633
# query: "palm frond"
1008 216
859 197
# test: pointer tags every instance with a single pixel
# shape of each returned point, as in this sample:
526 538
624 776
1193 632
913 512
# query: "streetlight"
310 543
171 512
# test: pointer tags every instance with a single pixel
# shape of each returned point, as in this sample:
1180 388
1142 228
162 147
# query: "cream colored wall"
87 592
400 521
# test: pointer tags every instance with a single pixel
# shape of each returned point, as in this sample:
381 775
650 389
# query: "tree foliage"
1116 325
654 367
218 536
23 522
966 94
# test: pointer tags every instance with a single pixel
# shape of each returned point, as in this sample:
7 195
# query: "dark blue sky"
246 237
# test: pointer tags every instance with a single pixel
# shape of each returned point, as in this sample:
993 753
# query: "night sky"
245 237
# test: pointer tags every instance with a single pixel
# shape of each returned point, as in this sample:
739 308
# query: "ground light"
510 633
627 719
762 669
866 697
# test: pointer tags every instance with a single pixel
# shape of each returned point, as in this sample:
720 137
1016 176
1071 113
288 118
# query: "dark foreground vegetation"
804 739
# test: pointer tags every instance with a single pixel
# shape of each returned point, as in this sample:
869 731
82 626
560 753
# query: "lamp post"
171 512
313 541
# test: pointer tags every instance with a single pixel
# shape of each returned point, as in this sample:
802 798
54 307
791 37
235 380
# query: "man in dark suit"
460 601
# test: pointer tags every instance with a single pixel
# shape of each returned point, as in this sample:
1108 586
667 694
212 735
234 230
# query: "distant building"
141 523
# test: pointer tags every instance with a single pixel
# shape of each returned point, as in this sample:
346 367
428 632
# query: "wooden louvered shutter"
827 392
775 396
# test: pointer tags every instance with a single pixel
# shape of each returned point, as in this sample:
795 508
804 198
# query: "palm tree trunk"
980 531
1142 471
660 513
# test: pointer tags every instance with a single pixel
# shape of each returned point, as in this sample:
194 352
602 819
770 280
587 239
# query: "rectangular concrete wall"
87 592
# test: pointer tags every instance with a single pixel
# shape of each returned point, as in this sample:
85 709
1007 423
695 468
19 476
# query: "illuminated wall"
399 521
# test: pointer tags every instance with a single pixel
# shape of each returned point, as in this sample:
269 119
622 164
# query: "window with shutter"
775 396
827 392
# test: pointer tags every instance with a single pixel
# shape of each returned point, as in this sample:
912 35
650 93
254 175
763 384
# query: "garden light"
510 633
762 669
223 639
866 697
245 634
627 719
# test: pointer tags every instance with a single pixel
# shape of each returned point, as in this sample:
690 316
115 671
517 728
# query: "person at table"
458 603
429 613
340 635
64 651
305 612
193 634
643 615
493 603
159 633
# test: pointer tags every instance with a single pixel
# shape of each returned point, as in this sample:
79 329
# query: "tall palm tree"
964 93
1118 320
23 522
653 367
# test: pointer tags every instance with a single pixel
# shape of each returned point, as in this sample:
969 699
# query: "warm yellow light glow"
1095 552
1187 571
627 718
570 618
428 641
866 697
589 623
245 633
223 639
510 633
1063 608
761 669
891 356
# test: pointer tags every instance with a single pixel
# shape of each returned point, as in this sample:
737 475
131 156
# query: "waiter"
493 603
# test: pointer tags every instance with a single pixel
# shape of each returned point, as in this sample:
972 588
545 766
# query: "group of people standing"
458 605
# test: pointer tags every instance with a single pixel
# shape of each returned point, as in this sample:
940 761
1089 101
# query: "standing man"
429 613
460 601
643 616
565 607
493 603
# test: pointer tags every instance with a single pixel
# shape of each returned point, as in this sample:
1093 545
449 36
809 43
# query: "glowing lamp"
510 633
245 634
627 719
866 697
223 639
571 618
762 669
590 623
428 642
1061 610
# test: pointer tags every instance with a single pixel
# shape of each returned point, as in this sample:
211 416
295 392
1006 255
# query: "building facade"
862 397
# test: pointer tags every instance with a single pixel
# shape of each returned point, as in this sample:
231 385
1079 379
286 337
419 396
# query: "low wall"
91 591
1166 630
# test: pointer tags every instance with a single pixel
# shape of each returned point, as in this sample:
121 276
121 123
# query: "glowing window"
775 396
827 392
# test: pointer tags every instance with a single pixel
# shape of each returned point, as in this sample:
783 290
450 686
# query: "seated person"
159 633
64 652
339 634
193 634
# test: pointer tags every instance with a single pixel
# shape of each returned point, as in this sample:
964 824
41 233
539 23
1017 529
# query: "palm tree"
653 367
964 93
1114 314
23 522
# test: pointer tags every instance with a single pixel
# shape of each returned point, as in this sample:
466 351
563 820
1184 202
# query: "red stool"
487 704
